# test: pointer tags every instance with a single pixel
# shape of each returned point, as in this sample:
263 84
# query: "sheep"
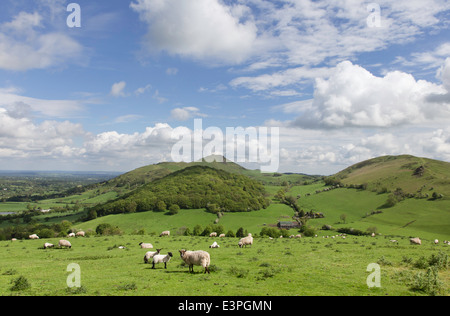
145 245
71 235
64 243
198 258
34 236
48 245
80 234
213 234
214 245
165 233
161 258
415 241
246 241
151 254
436 241
221 235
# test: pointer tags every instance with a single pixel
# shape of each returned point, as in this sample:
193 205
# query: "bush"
428 282
308 231
174 209
108 229
20 284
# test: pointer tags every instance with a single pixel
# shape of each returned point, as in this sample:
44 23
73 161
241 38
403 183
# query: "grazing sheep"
213 234
71 235
221 235
64 243
394 240
198 258
436 241
80 234
161 258
246 241
151 254
415 241
298 236
165 233
48 245
34 236
145 245
214 245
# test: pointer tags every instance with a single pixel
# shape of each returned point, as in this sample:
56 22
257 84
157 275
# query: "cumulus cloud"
25 45
353 97
201 29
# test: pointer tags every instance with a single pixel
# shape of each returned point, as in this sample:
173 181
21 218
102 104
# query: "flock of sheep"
198 258
191 258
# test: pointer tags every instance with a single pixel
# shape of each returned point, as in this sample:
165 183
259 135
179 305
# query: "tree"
174 209
160 206
240 232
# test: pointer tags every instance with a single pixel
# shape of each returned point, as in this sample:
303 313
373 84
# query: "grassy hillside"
191 188
420 176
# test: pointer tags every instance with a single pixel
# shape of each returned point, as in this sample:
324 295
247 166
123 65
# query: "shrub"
20 284
108 229
174 209
428 282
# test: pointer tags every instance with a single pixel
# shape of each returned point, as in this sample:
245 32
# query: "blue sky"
107 95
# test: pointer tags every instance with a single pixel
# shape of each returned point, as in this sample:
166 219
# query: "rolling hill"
413 175
192 188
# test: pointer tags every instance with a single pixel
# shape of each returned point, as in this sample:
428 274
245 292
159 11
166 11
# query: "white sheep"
161 258
48 245
213 234
71 235
198 258
416 241
436 241
221 235
145 245
34 236
214 245
246 241
64 243
165 233
80 234
151 254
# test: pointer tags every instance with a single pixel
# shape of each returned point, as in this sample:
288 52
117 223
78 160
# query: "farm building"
288 225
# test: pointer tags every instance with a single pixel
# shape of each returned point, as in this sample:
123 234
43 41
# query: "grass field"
280 267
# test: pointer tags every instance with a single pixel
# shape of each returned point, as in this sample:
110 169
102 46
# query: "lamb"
214 245
165 233
198 258
145 245
64 243
246 241
416 241
48 245
151 254
161 258
34 236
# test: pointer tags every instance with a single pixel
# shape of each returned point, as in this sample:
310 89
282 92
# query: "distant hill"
419 176
191 188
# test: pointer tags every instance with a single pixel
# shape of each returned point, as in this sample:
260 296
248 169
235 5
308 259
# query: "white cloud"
353 97
142 90
117 89
201 29
25 46
186 113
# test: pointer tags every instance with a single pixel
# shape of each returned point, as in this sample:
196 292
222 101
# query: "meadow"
278 267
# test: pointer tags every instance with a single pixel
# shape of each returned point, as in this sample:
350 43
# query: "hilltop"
413 175
191 188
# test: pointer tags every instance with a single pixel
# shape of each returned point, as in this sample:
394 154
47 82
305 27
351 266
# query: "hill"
191 188
421 177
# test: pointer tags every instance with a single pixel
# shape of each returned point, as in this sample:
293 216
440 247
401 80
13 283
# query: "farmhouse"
288 225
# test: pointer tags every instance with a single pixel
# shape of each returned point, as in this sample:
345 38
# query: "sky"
103 87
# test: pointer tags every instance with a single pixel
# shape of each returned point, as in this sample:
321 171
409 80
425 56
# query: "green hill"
413 175
191 188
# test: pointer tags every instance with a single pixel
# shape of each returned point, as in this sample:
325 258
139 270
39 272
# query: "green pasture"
286 267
